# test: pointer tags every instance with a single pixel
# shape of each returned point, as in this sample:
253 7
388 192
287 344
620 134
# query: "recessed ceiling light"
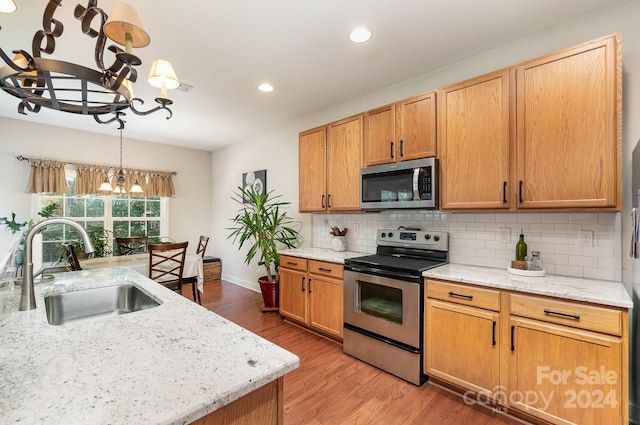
360 35
265 87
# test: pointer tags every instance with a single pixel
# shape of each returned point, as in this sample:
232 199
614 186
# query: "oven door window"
382 302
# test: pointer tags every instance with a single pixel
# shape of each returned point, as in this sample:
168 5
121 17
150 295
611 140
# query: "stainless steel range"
384 300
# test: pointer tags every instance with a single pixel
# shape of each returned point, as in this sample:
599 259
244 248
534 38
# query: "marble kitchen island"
172 364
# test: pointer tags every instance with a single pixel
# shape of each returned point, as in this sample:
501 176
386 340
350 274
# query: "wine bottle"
521 247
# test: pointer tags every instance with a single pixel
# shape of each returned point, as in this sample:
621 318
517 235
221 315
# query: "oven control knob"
427 236
390 234
383 235
436 238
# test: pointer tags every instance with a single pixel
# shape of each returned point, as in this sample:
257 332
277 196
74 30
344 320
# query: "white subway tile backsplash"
474 238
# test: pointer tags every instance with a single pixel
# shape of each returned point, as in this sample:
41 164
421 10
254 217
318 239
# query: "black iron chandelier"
105 92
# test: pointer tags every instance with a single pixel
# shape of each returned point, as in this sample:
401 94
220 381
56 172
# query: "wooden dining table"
140 263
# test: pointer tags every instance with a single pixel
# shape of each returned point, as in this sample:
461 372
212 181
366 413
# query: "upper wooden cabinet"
401 131
569 121
549 137
475 143
312 147
330 158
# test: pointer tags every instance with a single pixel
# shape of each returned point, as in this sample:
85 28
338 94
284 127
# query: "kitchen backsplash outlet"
475 239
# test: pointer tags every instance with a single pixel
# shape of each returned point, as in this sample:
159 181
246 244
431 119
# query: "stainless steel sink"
96 302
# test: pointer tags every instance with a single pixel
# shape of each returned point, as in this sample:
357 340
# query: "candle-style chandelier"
105 92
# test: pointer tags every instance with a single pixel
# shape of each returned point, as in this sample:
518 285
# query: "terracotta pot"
270 292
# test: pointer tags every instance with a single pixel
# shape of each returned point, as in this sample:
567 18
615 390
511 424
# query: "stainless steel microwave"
408 184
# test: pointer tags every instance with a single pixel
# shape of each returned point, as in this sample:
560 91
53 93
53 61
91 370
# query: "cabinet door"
326 305
312 174
569 127
565 375
293 295
380 132
416 127
474 143
344 149
462 346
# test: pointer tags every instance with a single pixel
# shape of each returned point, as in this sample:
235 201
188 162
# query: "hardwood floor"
331 387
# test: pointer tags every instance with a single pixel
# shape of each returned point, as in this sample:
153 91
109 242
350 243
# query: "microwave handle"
416 181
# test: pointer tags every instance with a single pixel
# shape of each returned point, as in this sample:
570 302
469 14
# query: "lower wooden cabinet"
560 361
311 294
566 375
457 333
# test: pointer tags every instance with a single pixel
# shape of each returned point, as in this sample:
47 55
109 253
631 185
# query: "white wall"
189 211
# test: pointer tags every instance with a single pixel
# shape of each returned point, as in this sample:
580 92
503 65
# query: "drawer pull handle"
303 284
493 334
453 294
391 150
322 269
572 316
513 330
504 192
322 201
309 285
291 263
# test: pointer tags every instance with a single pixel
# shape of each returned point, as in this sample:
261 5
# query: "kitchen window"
121 215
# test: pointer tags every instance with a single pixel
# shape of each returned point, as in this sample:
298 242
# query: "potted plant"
262 223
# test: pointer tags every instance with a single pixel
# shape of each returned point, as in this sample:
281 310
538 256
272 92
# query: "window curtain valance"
47 176
154 183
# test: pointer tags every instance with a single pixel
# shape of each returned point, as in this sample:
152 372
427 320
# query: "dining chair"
69 254
202 245
166 264
131 246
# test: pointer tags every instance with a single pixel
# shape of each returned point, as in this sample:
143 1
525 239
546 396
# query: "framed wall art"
256 180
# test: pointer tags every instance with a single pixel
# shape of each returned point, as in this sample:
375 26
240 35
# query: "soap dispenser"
521 247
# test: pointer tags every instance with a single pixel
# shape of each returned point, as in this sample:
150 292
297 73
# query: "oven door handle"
381 272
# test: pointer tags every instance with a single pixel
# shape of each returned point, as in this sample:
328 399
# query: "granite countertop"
170 364
603 292
322 254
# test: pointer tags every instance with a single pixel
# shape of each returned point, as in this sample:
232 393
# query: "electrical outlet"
505 235
586 238
356 228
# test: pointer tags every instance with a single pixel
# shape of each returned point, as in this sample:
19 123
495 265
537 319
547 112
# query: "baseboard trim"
241 282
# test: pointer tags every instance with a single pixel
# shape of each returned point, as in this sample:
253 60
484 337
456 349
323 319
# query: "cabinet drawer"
294 263
326 269
582 316
464 294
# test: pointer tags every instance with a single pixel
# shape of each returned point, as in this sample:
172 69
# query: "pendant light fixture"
119 189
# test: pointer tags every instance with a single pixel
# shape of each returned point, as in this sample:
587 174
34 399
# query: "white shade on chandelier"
125 27
163 76
8 6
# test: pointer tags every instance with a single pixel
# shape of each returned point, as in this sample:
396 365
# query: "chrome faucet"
27 298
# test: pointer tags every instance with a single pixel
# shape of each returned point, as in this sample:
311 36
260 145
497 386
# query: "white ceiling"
224 49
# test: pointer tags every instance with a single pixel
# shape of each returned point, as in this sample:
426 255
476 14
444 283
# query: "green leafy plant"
100 238
265 226
12 225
